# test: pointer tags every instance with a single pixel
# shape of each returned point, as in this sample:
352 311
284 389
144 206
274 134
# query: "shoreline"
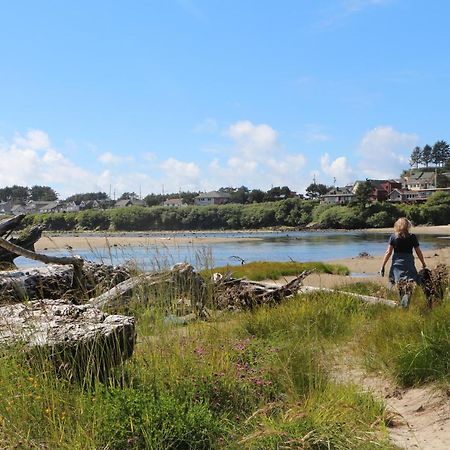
96 239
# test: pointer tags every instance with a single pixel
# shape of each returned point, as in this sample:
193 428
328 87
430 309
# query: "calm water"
252 246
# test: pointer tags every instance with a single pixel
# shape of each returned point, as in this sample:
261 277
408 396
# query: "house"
212 198
413 195
129 202
419 179
174 202
50 207
403 196
339 195
380 188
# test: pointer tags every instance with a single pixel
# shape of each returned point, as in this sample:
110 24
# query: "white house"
212 198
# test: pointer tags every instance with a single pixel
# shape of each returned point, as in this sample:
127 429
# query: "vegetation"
292 212
257 380
270 270
438 155
23 193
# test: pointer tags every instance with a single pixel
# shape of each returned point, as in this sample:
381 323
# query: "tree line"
438 155
23 193
293 212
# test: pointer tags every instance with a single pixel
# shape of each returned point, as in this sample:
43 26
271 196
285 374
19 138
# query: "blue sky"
198 94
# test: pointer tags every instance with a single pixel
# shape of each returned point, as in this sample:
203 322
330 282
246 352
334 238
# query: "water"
249 246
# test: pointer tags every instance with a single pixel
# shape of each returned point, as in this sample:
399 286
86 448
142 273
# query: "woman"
403 270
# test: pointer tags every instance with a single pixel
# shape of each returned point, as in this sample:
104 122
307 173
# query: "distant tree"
43 193
416 157
154 199
440 153
427 155
240 195
256 196
87 196
237 195
128 196
315 190
363 192
14 193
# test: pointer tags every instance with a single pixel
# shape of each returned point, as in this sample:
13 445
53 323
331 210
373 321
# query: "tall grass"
413 345
257 380
272 270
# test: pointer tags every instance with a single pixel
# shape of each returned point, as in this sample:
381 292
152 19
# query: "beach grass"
263 379
274 270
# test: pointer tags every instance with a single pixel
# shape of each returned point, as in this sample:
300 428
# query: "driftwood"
26 241
364 298
80 340
189 290
237 294
59 282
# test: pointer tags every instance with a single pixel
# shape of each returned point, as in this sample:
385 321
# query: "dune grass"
273 270
254 380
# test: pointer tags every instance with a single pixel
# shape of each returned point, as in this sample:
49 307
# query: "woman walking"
403 271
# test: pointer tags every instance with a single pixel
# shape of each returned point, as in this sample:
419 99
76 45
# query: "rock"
80 340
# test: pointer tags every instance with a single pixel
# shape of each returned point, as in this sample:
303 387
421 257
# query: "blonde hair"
402 227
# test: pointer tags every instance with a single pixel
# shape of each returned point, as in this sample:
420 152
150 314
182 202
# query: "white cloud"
253 141
338 169
180 173
32 160
110 158
384 152
33 140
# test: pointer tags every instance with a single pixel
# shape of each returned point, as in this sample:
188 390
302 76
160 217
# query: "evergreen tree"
315 190
363 192
43 193
427 155
440 153
416 157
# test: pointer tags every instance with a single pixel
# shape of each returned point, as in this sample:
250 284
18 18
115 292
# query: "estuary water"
234 247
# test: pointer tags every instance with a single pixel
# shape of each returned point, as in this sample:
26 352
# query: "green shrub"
136 419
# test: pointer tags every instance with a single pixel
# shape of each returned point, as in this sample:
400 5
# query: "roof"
420 176
173 201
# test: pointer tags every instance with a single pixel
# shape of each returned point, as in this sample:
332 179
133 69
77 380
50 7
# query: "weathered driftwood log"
25 241
59 282
364 298
80 340
21 251
8 225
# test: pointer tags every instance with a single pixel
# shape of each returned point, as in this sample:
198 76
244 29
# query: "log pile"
242 294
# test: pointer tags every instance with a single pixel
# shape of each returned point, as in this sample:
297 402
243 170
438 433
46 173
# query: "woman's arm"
420 256
387 255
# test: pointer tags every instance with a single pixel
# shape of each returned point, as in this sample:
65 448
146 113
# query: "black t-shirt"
403 244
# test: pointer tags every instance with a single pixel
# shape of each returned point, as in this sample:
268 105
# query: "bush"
136 419
380 220
91 220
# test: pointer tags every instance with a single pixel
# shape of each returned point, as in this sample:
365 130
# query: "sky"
194 95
